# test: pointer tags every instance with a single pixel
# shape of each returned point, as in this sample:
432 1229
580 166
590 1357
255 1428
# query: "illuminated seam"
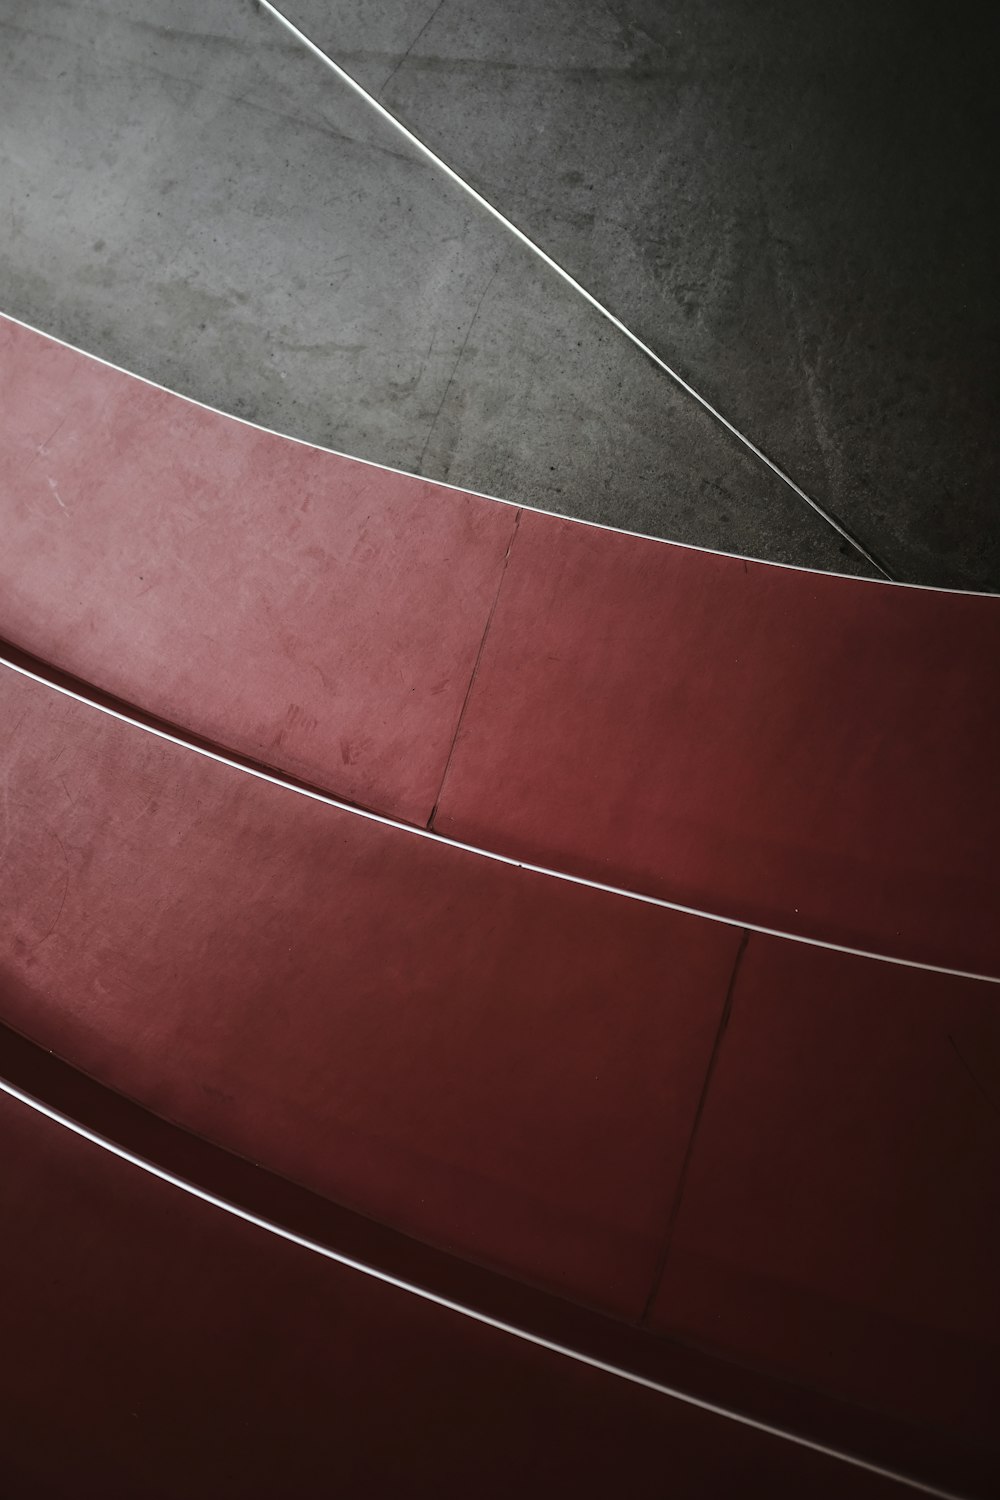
571 281
273 778
458 1307
461 489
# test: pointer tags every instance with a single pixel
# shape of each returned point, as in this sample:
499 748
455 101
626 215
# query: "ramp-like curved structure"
347 824
178 1346
784 748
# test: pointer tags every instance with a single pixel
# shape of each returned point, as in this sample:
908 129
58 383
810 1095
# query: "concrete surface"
788 206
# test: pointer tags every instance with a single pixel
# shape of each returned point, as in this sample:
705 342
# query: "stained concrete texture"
791 201
190 194
207 206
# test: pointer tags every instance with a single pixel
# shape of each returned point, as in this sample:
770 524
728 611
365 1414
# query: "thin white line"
459 489
570 281
458 1307
328 800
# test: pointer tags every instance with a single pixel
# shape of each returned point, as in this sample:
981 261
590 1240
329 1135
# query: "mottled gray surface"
187 193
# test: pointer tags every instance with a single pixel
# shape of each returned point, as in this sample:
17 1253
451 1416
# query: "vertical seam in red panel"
675 1206
475 669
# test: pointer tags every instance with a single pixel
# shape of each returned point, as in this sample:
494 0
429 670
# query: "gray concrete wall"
786 201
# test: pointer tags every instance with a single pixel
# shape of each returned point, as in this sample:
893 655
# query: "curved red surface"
812 753
502 1063
156 548
841 1214
779 1152
187 1353
790 749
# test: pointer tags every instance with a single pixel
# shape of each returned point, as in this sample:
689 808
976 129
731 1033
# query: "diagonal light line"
571 281
461 489
424 1293
173 736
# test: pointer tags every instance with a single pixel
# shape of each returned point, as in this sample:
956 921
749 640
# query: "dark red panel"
932 1456
841 1216
792 749
797 750
502 1063
312 612
155 1346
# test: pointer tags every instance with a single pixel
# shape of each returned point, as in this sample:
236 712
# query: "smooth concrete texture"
193 196
793 203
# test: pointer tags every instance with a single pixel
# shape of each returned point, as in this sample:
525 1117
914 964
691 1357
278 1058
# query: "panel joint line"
508 224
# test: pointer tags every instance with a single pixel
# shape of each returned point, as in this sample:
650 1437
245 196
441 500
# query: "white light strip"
461 489
328 800
458 1307
570 281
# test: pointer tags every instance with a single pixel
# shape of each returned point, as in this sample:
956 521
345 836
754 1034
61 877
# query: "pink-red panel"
503 1064
797 750
841 1214
792 749
314 613
155 1346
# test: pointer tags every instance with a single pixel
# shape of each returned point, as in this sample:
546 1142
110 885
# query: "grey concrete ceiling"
789 202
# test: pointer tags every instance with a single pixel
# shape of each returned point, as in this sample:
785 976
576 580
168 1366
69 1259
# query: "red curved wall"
781 1154
162 1348
789 749
775 1150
